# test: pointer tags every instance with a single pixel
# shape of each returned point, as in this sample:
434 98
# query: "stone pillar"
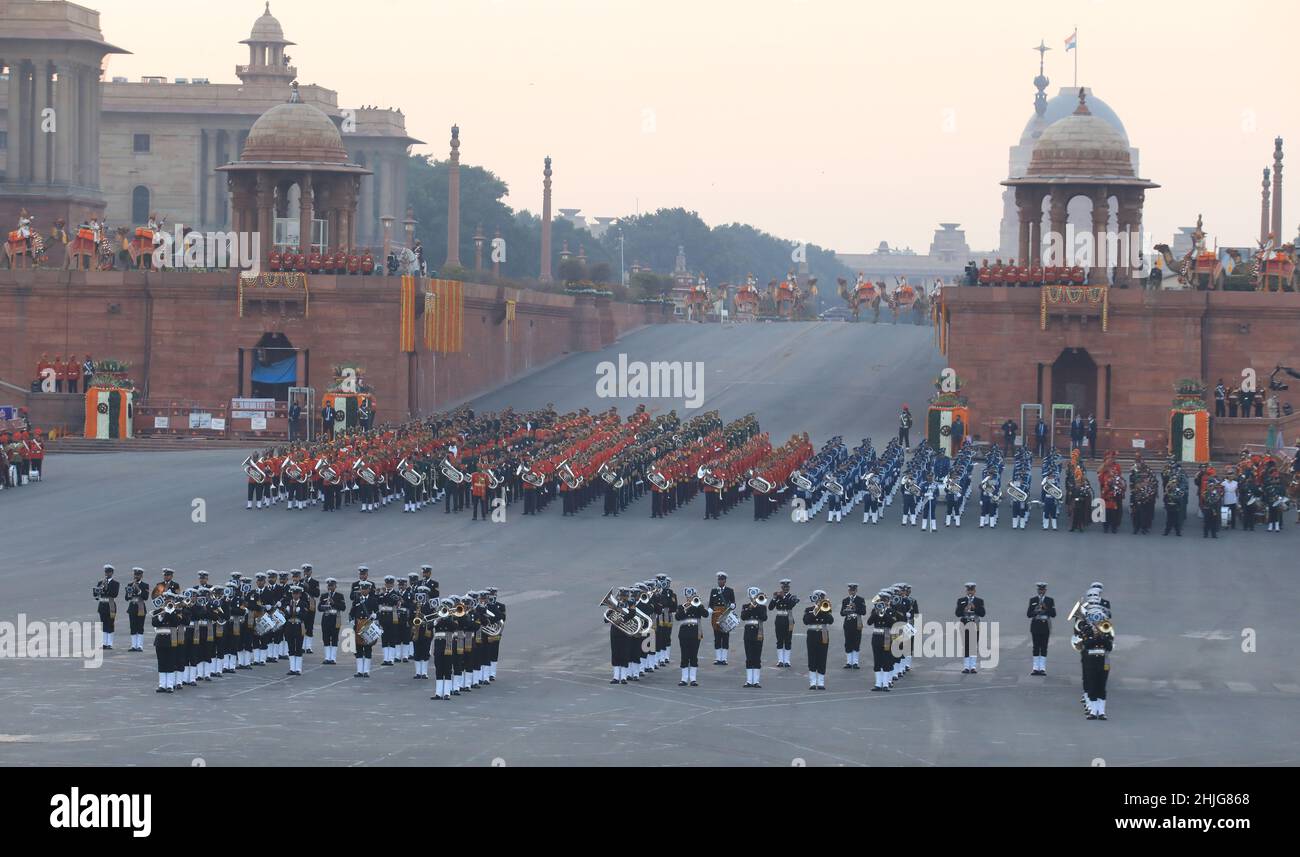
453 200
40 100
1058 216
479 238
1047 393
1097 275
496 265
18 154
546 222
95 109
67 125
1276 225
1026 235
1102 393
1264 218
306 212
266 211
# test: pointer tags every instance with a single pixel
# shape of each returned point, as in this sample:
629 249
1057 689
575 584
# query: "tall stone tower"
267 63
453 200
54 52
546 222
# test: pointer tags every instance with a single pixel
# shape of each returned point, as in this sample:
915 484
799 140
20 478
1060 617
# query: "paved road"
1183 691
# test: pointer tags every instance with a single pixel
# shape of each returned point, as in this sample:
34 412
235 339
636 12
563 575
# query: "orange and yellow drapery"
444 316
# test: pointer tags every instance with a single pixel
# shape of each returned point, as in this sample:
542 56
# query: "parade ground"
1203 671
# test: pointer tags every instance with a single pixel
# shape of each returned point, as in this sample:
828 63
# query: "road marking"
1288 688
528 595
1186 684
1240 686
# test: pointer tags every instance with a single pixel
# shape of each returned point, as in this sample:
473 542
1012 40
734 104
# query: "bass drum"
728 622
370 633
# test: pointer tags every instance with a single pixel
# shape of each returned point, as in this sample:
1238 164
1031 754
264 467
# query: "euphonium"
761 600
256 473
695 601
658 480
449 470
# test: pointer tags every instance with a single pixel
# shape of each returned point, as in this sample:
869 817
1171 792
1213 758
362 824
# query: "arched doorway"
275 367
1074 381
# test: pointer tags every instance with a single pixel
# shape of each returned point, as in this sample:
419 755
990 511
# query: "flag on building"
1072 41
444 323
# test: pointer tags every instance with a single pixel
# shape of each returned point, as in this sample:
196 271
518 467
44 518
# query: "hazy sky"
839 122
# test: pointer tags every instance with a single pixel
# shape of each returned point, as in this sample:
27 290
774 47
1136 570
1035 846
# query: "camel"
24 253
747 300
698 303
862 293
1205 271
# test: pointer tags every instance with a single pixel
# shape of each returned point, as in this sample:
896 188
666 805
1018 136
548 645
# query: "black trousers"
970 638
753 647
1039 632
852 636
619 647
663 637
108 615
137 622
1210 519
818 647
688 640
441 659
329 629
721 640
293 636
1095 673
162 647
1174 519
423 643
882 659
784 632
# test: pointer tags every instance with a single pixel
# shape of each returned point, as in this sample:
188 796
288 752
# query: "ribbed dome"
295 132
266 29
1081 145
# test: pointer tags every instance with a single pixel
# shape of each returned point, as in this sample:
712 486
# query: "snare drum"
264 625
277 620
728 622
370 633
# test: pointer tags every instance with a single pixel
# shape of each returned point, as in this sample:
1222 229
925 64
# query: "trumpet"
761 599
823 606
695 601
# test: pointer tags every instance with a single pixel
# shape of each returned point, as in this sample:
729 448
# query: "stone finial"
1082 109
455 143
547 171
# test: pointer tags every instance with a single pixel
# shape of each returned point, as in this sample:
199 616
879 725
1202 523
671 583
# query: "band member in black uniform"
882 619
242 612
363 576
311 586
782 607
295 613
1096 661
666 609
281 587
388 605
1080 496
189 631
105 595
754 614
689 636
907 609
469 627
261 599
444 629
231 604
137 599
619 642
818 618
164 620
970 610
721 599
426 579
422 616
402 616
180 654
1041 612
853 607
498 609
364 606
331 608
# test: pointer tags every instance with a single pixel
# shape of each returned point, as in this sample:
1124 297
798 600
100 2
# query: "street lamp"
622 275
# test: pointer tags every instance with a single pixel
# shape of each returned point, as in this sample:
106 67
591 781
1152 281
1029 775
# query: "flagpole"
1076 57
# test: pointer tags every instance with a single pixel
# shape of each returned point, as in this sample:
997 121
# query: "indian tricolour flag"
1072 41
108 413
1189 435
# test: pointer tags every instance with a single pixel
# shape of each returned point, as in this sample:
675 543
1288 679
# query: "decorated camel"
1201 269
902 298
788 297
862 293
698 301
747 300
24 246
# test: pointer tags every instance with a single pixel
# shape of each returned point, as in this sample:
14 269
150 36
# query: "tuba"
408 472
833 485
570 479
449 470
658 480
631 626
1015 492
367 474
1052 488
761 485
256 473
328 474
705 475
800 481
532 477
292 470
911 486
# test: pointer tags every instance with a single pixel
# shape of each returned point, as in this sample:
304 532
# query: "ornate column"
18 154
1097 275
453 200
68 125
266 211
1058 216
479 238
1264 220
1023 216
546 222
41 140
1276 225
306 212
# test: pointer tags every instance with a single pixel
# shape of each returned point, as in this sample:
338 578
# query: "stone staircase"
82 445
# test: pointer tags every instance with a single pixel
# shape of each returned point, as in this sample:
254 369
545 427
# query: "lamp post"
622 275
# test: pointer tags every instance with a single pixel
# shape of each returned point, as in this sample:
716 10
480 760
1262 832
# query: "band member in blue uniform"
818 618
970 610
853 607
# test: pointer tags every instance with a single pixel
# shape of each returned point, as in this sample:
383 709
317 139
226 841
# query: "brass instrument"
532 477
658 480
695 601
1015 492
158 589
761 485
823 606
328 474
798 480
256 473
952 483
292 470
705 475
911 486
761 600
1052 488
458 611
367 474
494 481
449 470
633 627
833 485
570 479
407 471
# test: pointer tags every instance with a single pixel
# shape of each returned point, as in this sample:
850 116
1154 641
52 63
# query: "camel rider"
156 226
25 225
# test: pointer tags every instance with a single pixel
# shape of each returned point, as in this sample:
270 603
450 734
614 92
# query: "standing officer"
853 607
1009 431
137 596
105 594
818 619
1040 437
444 630
311 586
665 604
782 606
689 636
364 606
753 615
1041 612
724 597
905 427
882 618
388 605
970 610
330 607
295 612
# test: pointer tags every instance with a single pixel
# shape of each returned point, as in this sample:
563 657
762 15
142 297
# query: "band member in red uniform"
478 488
